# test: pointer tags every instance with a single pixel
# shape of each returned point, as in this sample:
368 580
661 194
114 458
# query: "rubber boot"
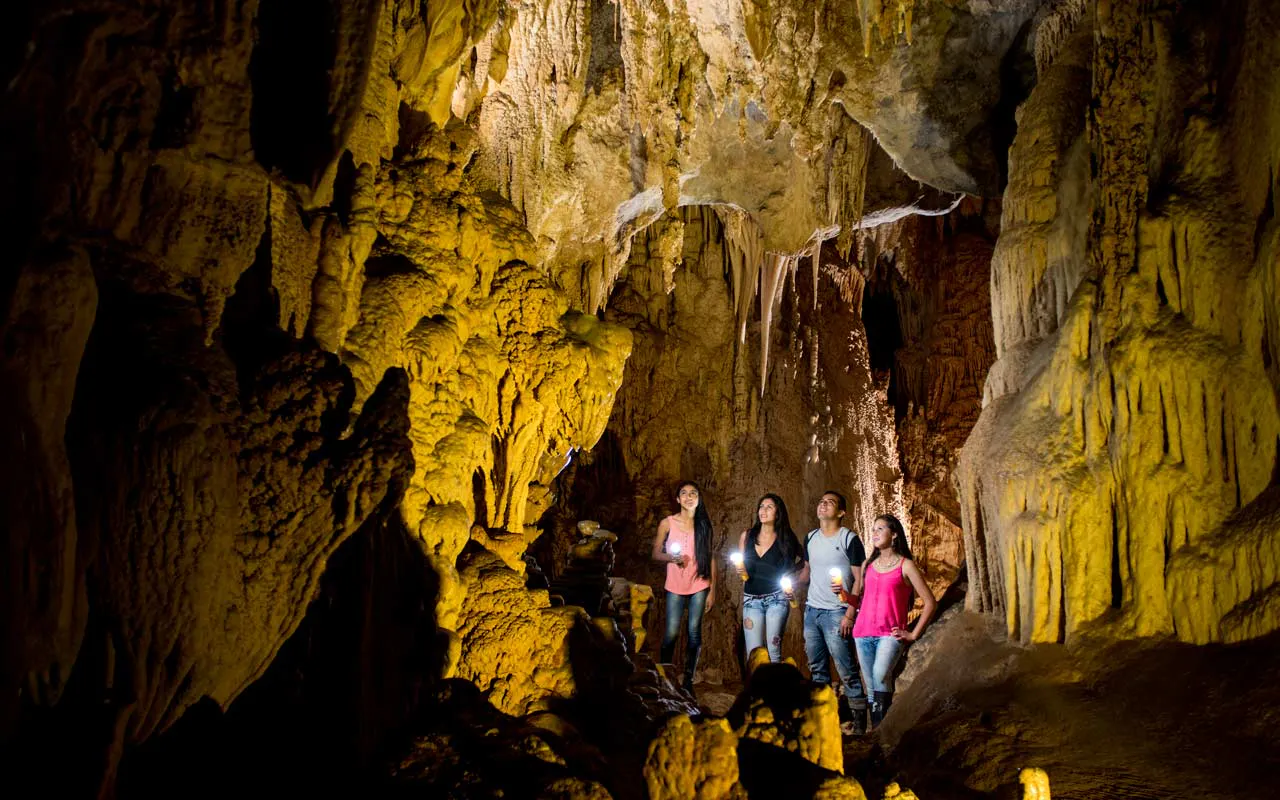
857 724
880 707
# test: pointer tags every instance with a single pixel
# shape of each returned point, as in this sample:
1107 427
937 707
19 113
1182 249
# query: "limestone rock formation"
514 646
424 284
782 709
258 298
781 737
473 751
1132 418
602 118
689 759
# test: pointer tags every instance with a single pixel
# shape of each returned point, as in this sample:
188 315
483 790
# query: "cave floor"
1150 719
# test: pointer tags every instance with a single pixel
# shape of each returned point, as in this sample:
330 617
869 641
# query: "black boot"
880 703
857 724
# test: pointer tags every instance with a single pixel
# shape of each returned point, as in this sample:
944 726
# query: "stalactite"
745 244
877 13
773 278
848 155
1056 22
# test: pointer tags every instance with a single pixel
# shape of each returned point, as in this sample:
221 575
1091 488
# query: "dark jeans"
822 639
676 603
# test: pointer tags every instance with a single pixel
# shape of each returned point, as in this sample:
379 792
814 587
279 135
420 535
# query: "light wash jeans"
878 655
822 639
764 618
676 603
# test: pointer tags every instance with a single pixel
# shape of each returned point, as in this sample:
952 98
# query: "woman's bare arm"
912 573
660 553
715 573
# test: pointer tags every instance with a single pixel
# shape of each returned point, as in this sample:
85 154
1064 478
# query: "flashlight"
787 590
837 579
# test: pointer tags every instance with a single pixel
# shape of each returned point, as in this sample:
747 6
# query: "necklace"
890 568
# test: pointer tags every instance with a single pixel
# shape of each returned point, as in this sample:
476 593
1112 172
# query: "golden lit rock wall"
1120 471
260 296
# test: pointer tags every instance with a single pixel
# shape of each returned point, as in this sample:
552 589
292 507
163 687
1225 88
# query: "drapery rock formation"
1131 418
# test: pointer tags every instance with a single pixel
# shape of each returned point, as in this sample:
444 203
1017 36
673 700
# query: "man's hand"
711 601
850 598
846 625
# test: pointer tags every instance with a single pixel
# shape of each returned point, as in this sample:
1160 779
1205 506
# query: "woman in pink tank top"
683 543
888 578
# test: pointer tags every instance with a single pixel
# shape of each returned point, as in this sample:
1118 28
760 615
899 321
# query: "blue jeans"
822 639
676 603
878 655
764 618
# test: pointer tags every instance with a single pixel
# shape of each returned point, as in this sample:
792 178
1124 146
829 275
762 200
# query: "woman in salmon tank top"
888 578
683 543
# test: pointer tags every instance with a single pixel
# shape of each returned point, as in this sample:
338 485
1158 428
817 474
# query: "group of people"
856 606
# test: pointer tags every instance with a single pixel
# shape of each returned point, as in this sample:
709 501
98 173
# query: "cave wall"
1121 475
927 310
259 299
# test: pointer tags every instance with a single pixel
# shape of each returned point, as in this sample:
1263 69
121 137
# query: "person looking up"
770 552
683 543
834 555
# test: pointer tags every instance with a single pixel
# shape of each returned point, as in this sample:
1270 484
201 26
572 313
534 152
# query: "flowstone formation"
1132 418
256 301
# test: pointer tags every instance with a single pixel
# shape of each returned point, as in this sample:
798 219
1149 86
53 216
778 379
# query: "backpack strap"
853 549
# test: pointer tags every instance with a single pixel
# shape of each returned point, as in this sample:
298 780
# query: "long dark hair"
900 545
701 531
788 544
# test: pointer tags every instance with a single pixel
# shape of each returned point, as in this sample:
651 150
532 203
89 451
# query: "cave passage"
364 362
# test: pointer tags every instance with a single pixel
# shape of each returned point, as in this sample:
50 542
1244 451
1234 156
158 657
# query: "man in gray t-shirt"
828 621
